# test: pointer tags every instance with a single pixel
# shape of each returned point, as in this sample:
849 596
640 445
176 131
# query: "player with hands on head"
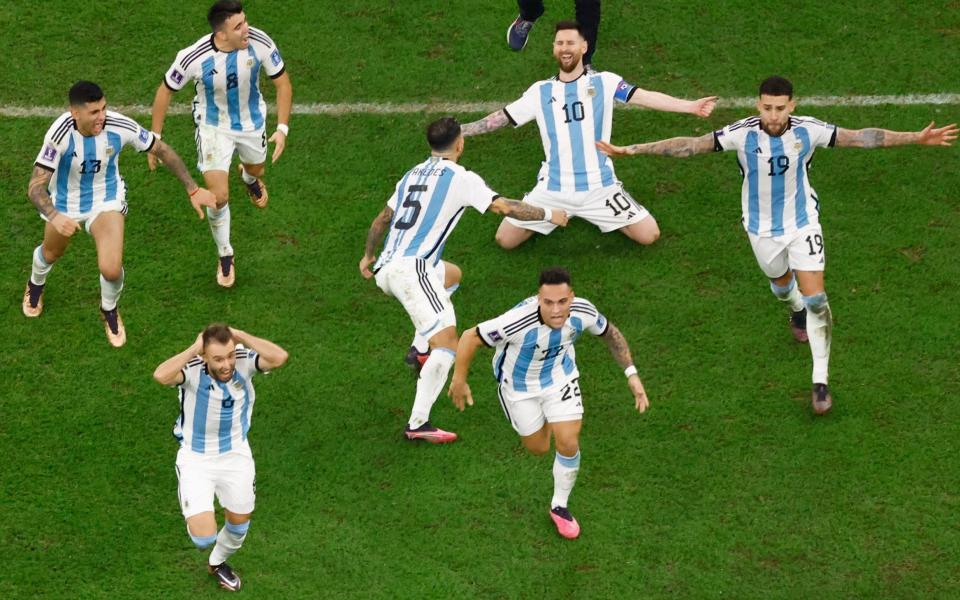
537 377
214 378
229 112
419 217
573 110
780 207
76 181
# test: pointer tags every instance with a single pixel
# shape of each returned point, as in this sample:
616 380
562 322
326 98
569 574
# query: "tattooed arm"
882 138
198 196
680 147
522 211
489 123
377 229
38 194
621 353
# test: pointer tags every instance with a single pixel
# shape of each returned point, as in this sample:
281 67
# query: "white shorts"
419 288
86 219
609 208
231 477
215 148
562 403
801 252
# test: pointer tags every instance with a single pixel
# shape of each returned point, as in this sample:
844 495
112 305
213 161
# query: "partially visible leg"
588 16
219 220
645 231
509 236
786 290
44 255
252 176
230 538
420 346
519 31
820 332
433 376
530 10
566 465
107 232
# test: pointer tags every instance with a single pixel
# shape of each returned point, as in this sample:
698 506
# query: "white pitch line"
389 108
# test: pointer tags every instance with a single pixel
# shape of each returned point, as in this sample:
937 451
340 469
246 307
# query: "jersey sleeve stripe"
279 73
121 125
261 37
509 117
189 59
482 338
44 167
62 131
521 323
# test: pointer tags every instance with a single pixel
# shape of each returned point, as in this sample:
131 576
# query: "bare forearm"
661 101
618 347
377 230
284 99
491 122
520 211
466 350
872 137
167 372
680 147
38 193
165 153
271 354
161 102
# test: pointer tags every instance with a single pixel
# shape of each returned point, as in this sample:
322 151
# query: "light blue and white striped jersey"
86 170
215 416
532 357
228 83
427 203
777 196
572 117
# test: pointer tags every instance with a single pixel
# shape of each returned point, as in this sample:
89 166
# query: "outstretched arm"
377 229
621 353
680 147
198 195
459 390
522 211
38 193
883 138
658 101
272 356
168 372
489 123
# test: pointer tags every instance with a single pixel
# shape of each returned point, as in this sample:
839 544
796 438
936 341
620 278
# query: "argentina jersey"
776 195
215 415
531 357
86 170
426 204
227 83
572 117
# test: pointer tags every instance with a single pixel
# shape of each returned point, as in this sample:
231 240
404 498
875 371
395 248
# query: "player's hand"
153 161
197 347
279 143
641 402
941 136
460 393
615 151
64 225
365 263
203 197
704 106
559 217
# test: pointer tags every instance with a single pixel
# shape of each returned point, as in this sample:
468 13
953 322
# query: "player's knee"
567 447
203 541
782 291
645 232
112 272
505 241
816 303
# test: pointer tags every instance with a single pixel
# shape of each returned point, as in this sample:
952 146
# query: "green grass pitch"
727 488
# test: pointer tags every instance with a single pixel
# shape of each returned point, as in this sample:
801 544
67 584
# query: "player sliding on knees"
76 181
780 207
419 217
537 376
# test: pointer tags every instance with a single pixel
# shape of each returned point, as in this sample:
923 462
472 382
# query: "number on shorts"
263 139
411 201
571 390
818 240
619 203
782 163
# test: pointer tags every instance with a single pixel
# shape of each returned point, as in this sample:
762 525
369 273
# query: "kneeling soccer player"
538 379
216 402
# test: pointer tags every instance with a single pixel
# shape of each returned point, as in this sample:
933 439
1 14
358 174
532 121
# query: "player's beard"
769 130
573 64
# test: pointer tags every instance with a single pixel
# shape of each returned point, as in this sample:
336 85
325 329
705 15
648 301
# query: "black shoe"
415 359
821 399
798 325
225 576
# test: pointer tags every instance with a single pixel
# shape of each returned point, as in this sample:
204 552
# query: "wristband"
284 129
631 370
547 214
193 192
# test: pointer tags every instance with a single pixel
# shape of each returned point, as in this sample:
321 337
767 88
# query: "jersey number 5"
411 201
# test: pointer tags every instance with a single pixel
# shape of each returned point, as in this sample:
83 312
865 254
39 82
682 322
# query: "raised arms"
680 147
882 138
621 353
374 236
489 123
168 372
272 356
659 101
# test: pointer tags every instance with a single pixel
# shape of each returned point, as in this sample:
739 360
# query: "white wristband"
285 130
547 214
631 370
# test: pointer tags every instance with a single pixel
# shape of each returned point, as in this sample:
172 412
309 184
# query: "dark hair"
216 332
554 276
221 11
442 133
83 92
561 25
776 86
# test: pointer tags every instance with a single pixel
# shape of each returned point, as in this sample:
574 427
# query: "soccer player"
419 216
76 181
573 110
538 381
229 112
587 13
780 207
214 376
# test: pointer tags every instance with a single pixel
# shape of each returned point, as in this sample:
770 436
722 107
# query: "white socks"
565 469
229 541
219 219
38 274
110 291
819 331
432 377
247 178
789 294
